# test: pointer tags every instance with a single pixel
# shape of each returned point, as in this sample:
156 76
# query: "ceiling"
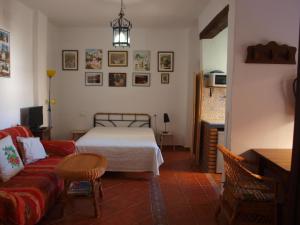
143 13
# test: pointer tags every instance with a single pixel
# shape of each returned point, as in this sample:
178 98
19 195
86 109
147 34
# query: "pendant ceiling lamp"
121 29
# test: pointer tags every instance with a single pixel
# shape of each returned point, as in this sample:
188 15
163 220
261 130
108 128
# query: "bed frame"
122 120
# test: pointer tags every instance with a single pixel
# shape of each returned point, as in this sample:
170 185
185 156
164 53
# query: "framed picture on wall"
117 80
117 58
70 59
141 79
93 79
165 61
4 53
141 61
93 59
165 78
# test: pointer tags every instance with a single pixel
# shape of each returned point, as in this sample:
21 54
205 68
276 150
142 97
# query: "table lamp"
166 120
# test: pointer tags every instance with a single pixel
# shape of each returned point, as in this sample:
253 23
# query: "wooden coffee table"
83 167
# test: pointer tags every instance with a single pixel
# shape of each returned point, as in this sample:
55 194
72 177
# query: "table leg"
95 186
173 143
65 195
261 166
100 189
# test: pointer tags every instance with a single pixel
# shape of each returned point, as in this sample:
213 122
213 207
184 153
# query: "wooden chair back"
242 179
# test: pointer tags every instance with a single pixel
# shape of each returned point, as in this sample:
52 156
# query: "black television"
32 117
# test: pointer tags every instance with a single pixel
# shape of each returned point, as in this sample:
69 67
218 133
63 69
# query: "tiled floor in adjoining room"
181 195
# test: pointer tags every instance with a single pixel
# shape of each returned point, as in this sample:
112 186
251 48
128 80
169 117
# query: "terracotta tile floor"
181 195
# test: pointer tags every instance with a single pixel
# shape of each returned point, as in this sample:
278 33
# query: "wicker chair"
247 198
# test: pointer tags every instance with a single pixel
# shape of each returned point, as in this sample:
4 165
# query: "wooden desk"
279 157
276 163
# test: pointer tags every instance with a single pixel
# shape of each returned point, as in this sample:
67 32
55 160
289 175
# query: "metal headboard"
128 119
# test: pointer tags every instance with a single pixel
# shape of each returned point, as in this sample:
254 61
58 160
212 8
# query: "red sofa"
26 197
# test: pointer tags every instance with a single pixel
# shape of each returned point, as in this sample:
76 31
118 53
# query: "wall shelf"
271 53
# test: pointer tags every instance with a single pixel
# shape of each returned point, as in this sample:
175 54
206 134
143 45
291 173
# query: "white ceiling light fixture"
121 29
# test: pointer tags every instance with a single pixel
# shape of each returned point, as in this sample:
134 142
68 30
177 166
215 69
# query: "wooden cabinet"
76 134
208 146
43 133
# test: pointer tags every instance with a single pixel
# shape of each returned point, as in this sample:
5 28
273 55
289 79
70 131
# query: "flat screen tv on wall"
32 117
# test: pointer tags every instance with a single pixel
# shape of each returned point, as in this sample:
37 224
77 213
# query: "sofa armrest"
59 147
11 209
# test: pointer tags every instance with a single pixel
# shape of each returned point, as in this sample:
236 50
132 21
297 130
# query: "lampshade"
121 29
166 118
51 73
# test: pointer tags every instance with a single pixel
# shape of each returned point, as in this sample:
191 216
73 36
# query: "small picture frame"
93 59
117 80
165 61
141 79
118 58
69 59
93 79
165 78
4 53
141 61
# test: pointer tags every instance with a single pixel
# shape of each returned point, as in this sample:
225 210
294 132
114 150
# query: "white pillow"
32 150
10 161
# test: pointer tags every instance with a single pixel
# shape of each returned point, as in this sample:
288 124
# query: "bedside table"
43 133
163 136
76 134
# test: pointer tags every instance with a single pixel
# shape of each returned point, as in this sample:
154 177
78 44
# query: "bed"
126 140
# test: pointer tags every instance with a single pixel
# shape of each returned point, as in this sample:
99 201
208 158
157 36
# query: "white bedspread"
126 149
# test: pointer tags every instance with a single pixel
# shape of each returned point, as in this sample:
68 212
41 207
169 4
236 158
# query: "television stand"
44 133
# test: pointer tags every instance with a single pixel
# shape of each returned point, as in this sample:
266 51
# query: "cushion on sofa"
14 132
10 161
31 149
26 197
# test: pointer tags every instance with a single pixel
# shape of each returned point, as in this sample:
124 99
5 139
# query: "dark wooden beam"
219 23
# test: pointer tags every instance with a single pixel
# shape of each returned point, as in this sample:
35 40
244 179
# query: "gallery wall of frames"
141 64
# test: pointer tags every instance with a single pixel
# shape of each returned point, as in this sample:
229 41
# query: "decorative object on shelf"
4 53
141 79
70 59
80 188
93 59
50 74
141 60
166 120
121 29
117 80
117 58
271 53
165 61
165 78
93 79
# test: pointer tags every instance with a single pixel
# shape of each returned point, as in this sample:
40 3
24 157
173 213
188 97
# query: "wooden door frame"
197 118
293 203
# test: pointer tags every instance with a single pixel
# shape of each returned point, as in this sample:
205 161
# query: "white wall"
260 102
194 68
19 90
214 52
212 8
40 62
77 103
